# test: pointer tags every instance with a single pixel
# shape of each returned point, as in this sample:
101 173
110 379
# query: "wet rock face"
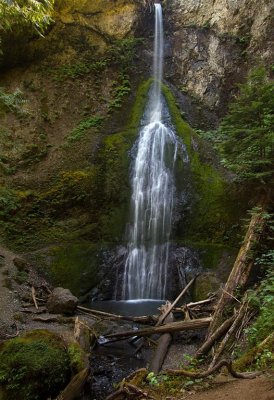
62 301
214 43
203 63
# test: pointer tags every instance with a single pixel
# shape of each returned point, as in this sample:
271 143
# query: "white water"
153 192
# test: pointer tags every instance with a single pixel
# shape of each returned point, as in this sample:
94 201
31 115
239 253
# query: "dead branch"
212 370
34 297
230 333
170 308
215 336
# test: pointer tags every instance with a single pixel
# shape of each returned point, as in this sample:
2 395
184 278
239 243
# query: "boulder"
62 301
21 264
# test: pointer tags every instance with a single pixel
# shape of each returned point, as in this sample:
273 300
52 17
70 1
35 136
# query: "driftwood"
75 387
163 344
171 327
170 308
215 336
33 295
212 370
240 272
141 320
230 333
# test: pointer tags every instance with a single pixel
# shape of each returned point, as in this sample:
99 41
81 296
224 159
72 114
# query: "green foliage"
248 130
263 300
17 14
121 89
33 367
12 102
15 153
9 202
78 69
83 127
123 51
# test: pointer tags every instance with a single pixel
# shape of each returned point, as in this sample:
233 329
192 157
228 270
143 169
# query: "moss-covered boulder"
205 284
33 367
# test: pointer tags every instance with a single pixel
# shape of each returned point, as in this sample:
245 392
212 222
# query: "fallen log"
162 346
171 327
146 319
240 272
212 370
75 386
214 337
170 308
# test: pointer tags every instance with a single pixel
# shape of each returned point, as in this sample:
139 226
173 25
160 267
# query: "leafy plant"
12 101
81 129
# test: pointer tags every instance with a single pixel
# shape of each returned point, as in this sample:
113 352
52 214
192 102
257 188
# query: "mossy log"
240 272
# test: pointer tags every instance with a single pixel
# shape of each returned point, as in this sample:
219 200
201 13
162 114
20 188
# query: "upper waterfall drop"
153 192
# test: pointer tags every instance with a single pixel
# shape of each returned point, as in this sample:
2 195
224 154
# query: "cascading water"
153 192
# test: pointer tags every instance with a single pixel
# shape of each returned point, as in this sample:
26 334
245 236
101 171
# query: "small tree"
248 130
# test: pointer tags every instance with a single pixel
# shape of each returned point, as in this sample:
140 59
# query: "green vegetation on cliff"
248 130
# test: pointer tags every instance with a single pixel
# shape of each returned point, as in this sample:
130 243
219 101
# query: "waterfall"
153 192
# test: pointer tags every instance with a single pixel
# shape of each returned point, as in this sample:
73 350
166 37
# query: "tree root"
210 371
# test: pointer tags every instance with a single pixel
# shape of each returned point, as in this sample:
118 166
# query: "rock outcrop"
213 44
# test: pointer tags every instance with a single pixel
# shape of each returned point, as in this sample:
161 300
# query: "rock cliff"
213 43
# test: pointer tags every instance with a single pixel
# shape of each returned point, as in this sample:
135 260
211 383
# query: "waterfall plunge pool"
134 308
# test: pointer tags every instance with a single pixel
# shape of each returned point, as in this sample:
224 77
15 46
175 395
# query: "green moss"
33 367
114 163
213 213
76 356
74 267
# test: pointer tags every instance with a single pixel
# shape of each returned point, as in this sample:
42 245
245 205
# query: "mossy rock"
33 367
204 284
74 266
